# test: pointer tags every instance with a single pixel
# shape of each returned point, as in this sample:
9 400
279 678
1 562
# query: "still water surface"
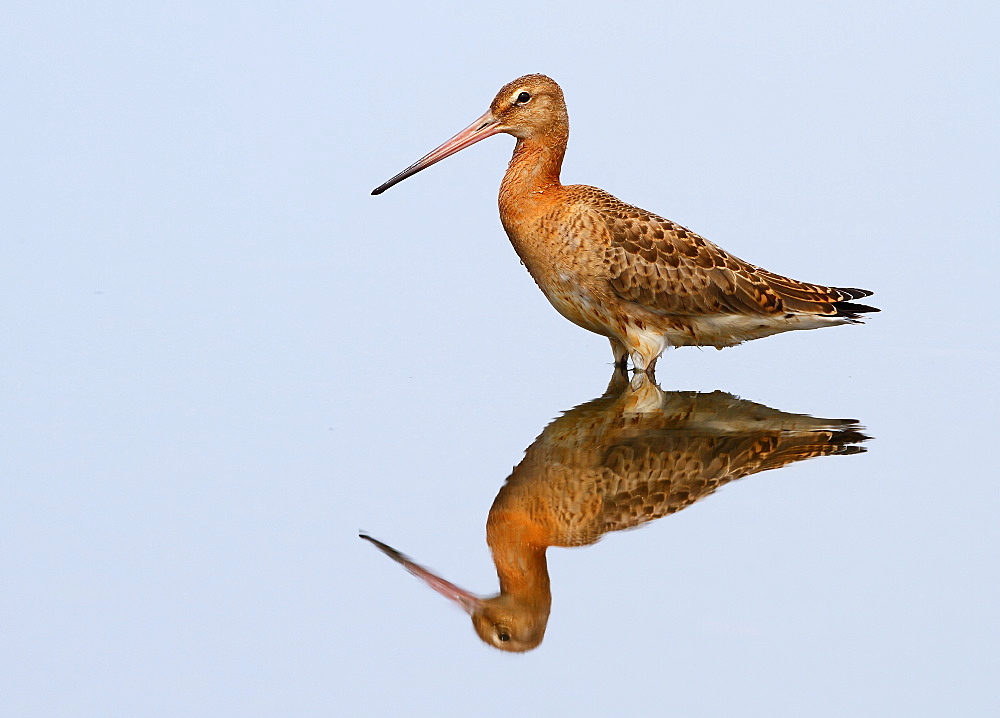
222 361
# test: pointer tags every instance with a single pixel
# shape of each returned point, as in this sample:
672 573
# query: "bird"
642 281
631 456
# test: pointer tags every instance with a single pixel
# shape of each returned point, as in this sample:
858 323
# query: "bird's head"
530 106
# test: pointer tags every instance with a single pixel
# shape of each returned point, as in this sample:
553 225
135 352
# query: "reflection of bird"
629 457
642 281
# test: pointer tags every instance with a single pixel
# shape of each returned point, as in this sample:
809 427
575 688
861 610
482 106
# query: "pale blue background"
222 357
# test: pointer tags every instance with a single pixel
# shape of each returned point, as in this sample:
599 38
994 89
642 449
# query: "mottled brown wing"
660 265
646 479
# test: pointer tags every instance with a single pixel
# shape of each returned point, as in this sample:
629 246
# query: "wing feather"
664 267
651 477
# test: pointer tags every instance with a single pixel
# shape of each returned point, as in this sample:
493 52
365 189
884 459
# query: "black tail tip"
854 293
850 309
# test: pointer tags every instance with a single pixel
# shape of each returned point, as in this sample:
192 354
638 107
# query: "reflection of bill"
633 455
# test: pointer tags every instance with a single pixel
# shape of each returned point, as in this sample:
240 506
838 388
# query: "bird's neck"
519 558
534 167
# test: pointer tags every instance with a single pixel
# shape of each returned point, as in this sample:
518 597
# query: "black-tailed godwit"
644 282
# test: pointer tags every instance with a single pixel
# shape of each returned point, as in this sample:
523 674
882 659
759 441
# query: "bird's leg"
619 382
621 354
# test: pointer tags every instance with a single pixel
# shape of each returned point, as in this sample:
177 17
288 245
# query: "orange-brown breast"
562 245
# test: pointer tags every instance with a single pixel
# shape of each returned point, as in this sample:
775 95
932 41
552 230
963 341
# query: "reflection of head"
508 622
509 625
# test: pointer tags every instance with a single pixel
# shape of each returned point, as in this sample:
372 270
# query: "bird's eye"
503 636
523 98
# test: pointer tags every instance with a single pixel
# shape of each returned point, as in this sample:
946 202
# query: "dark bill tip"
482 128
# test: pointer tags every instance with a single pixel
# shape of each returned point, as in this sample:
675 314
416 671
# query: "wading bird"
642 281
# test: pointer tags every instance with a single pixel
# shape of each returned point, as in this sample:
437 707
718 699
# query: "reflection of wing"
638 453
666 268
645 479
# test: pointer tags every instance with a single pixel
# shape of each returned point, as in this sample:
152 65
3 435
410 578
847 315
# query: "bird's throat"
534 167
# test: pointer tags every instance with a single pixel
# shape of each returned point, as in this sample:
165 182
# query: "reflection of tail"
823 443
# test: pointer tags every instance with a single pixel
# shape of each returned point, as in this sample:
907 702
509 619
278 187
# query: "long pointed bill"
485 126
468 601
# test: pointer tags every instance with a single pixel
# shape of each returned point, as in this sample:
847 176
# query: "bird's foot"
649 370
